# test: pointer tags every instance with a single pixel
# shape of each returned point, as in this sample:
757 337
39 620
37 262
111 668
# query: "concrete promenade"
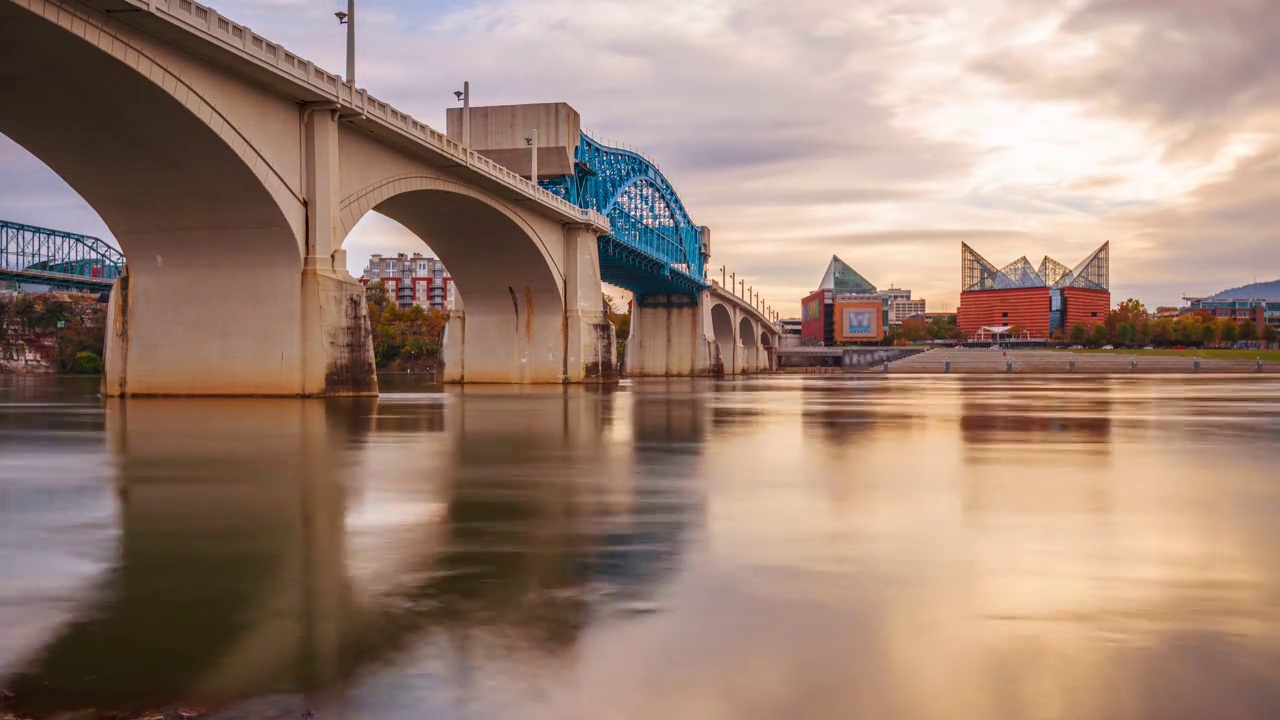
1050 362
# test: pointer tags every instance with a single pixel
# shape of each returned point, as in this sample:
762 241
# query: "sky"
882 131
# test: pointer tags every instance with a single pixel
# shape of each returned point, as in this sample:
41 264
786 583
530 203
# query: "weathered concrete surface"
722 335
231 171
668 341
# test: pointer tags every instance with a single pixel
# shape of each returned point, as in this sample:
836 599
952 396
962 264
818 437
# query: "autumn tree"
914 330
1228 331
1269 333
1162 331
1248 330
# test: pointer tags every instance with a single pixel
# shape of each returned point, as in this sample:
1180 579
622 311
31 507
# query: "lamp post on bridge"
464 96
533 168
348 18
742 288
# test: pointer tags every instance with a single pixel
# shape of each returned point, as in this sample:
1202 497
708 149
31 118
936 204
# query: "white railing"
203 19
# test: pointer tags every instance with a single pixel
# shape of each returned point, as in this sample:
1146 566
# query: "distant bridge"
57 259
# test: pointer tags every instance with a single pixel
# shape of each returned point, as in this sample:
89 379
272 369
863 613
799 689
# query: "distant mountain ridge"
1251 292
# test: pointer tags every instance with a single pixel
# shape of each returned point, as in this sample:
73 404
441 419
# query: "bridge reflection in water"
280 548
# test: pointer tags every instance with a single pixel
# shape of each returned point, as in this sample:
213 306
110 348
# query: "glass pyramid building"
841 279
977 274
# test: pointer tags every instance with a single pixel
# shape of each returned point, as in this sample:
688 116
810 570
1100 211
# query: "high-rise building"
1041 300
412 280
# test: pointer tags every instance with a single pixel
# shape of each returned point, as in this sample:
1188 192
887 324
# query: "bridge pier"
530 337
300 333
668 339
672 337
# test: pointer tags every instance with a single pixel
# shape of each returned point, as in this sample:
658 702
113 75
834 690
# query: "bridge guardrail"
200 18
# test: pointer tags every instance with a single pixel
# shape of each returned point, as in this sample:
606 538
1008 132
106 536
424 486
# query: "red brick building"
1041 301
1027 308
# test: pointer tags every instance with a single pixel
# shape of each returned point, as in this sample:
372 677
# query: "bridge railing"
55 257
201 18
747 295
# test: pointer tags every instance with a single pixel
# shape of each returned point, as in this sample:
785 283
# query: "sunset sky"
882 131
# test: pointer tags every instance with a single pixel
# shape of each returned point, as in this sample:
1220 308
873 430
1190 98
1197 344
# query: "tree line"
404 340
1129 325
63 335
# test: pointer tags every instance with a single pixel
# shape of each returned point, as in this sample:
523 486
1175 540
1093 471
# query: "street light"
532 142
464 97
348 18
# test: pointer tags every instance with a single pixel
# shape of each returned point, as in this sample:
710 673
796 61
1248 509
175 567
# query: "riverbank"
1056 362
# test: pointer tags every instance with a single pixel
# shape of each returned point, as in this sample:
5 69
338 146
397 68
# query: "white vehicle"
1108 347
1149 347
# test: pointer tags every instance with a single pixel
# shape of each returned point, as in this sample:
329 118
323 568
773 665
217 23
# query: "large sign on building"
859 320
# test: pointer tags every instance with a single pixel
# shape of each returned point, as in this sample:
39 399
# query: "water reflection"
238 574
950 548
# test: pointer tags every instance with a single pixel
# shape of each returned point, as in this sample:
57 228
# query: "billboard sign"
859 320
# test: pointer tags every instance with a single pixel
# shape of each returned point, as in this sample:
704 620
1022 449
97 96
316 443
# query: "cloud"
883 131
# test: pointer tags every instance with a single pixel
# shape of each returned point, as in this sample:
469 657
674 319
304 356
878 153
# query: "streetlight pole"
348 18
532 142
466 113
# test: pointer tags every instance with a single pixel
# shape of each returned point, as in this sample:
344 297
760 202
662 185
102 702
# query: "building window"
1095 314
1005 314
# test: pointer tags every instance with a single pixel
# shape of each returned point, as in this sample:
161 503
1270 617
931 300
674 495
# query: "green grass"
1266 355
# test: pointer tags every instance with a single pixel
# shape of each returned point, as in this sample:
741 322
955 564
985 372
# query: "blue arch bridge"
654 248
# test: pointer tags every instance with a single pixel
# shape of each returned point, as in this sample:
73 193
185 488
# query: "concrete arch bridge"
231 170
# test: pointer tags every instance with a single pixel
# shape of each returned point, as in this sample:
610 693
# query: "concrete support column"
454 342
669 338
336 336
590 351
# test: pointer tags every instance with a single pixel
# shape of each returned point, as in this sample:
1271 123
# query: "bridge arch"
722 326
654 247
190 199
508 272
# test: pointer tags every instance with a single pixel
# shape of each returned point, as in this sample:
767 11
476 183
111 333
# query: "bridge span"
231 170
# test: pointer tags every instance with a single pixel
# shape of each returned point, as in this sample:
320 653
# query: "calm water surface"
946 547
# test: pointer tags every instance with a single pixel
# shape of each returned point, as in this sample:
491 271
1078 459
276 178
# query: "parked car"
1108 347
1149 347
1076 347
1179 347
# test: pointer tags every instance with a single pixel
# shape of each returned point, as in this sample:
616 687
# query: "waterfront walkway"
1049 362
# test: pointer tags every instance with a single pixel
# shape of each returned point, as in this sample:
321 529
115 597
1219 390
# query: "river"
877 547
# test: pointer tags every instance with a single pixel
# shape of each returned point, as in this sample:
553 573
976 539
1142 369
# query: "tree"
1189 329
942 327
1227 329
1130 310
1100 335
1248 330
1126 334
1208 333
1269 333
1079 334
1162 331
914 330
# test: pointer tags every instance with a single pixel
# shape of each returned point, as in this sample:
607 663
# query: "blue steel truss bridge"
59 260
653 247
